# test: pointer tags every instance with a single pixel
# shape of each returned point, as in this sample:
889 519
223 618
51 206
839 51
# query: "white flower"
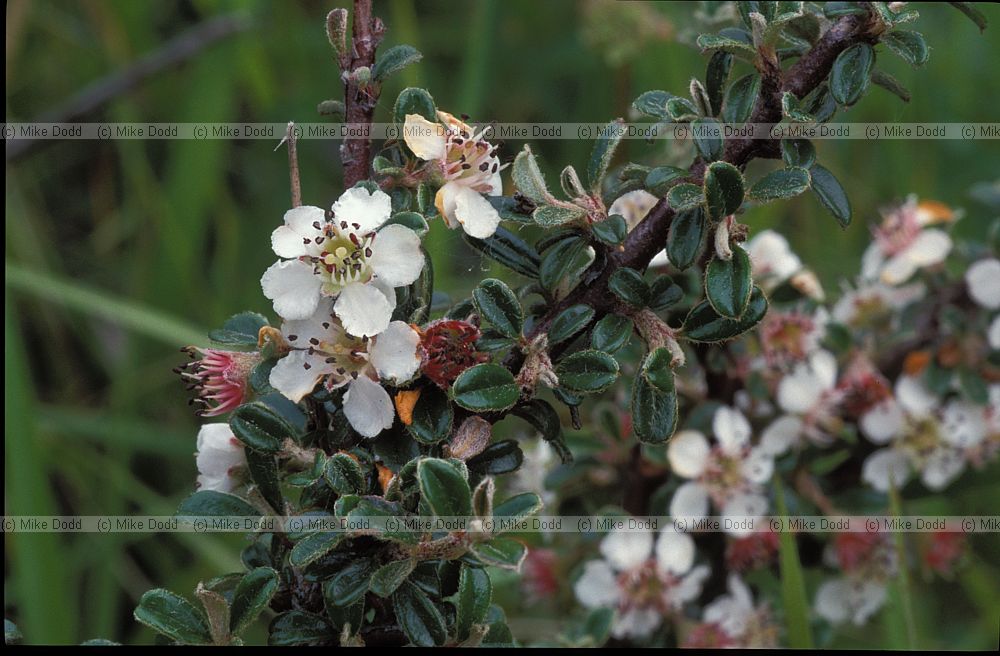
347 257
642 581
874 304
853 599
921 436
774 263
633 207
983 281
470 168
903 243
324 351
744 622
790 337
731 473
220 458
808 396
538 462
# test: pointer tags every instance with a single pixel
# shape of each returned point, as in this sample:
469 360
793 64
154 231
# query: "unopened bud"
336 30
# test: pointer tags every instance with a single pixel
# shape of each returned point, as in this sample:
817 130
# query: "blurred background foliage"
120 252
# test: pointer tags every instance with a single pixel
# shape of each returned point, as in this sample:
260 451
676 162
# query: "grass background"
120 252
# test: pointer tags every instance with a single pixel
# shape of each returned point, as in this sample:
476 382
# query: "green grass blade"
903 592
793 586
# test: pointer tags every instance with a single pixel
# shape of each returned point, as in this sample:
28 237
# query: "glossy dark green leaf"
251 597
708 139
509 250
412 220
570 322
504 553
566 258
475 592
413 100
660 179
612 231
393 60
658 370
298 627
499 305
555 215
518 506
263 469
611 333
444 488
780 184
260 427
210 503
728 284
882 79
703 323
851 73
654 412
603 153
715 78
350 582
686 237
725 44
681 110
740 98
485 387
390 576
798 152
313 547
628 285
418 617
498 458
173 616
432 416
907 44
664 293
723 189
653 103
587 372
240 329
685 196
831 194
344 475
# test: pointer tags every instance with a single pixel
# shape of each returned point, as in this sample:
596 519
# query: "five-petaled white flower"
904 244
920 435
221 459
745 623
731 473
868 561
349 256
773 263
809 397
324 351
644 582
470 168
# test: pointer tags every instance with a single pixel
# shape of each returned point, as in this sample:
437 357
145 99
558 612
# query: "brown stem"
293 166
360 95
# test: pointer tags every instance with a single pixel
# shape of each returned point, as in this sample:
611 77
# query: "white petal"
369 210
674 552
759 466
597 586
771 256
963 425
445 201
898 269
885 469
293 289
688 453
660 260
832 601
394 353
218 452
916 399
368 407
478 218
824 366
287 240
302 332
731 429
425 139
363 309
689 587
733 611
633 206
627 549
741 507
496 185
930 247
636 623
941 468
883 422
781 434
799 391
993 334
983 281
690 501
872 261
293 379
396 255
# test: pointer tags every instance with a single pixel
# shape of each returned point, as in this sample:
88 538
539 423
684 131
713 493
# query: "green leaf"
629 286
475 592
498 458
504 553
653 103
239 330
252 595
611 231
313 547
725 44
412 220
173 616
485 387
728 284
509 250
432 416
715 78
969 9
685 196
444 488
798 153
413 100
659 180
892 85
569 322
518 506
658 370
298 627
528 177
831 194
723 189
260 427
418 617
681 110
394 60
587 372
542 416
708 140
740 98
263 470
390 576
783 183
686 237
654 412
343 474
603 152
497 304
350 583
703 324
556 215
611 333
664 293
791 109
907 44
567 257
793 585
209 503
851 73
